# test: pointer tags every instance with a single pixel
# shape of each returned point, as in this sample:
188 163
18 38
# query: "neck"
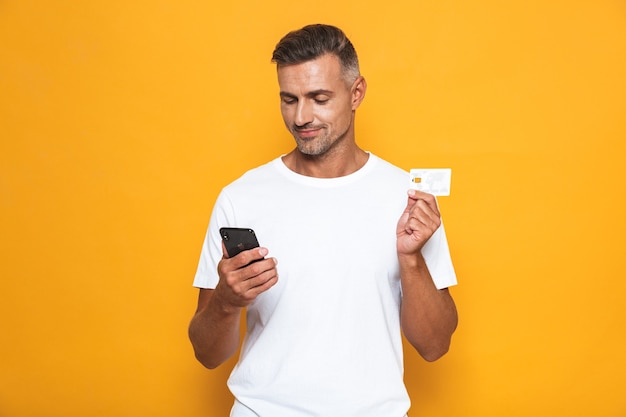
328 165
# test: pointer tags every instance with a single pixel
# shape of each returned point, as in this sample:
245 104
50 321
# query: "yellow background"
121 120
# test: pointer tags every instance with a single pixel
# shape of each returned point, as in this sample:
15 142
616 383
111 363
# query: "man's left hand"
419 221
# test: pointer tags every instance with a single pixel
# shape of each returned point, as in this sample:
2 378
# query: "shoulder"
259 175
388 171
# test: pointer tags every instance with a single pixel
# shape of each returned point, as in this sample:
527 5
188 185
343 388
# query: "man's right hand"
244 276
214 328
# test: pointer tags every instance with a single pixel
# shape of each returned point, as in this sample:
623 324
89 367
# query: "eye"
321 100
288 100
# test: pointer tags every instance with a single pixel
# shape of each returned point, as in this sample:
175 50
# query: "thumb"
411 201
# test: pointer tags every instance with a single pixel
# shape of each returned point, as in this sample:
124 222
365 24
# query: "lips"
309 133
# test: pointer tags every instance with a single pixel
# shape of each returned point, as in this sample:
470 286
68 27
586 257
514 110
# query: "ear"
358 91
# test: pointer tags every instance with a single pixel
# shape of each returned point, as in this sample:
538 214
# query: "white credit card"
432 181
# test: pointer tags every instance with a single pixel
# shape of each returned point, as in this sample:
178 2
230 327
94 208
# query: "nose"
304 113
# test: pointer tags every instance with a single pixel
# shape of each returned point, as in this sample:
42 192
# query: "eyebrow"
313 93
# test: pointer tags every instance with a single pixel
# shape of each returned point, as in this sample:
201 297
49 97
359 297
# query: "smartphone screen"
238 239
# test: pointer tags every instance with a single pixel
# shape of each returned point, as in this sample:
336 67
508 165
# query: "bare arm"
214 328
428 315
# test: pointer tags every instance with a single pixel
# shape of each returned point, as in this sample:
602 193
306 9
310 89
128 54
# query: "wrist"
222 306
411 260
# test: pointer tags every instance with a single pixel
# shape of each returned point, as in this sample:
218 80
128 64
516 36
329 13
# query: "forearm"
428 315
214 332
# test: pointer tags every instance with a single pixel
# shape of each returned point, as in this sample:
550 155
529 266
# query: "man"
354 260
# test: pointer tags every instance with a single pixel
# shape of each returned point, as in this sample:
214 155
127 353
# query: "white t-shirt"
326 339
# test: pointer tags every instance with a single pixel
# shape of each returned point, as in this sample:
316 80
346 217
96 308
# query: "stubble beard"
319 145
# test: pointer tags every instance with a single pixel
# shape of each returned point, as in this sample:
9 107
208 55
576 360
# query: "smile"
307 133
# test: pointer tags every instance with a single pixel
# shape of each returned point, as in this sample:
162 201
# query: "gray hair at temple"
314 41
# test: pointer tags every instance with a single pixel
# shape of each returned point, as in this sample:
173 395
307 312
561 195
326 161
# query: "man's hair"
314 41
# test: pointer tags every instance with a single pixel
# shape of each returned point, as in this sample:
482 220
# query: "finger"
247 282
246 257
264 285
422 216
255 279
429 199
410 202
260 273
424 212
233 269
422 225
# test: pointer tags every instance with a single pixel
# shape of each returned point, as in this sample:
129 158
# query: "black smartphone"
237 239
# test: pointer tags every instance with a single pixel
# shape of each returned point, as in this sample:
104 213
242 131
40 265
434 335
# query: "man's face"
317 104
